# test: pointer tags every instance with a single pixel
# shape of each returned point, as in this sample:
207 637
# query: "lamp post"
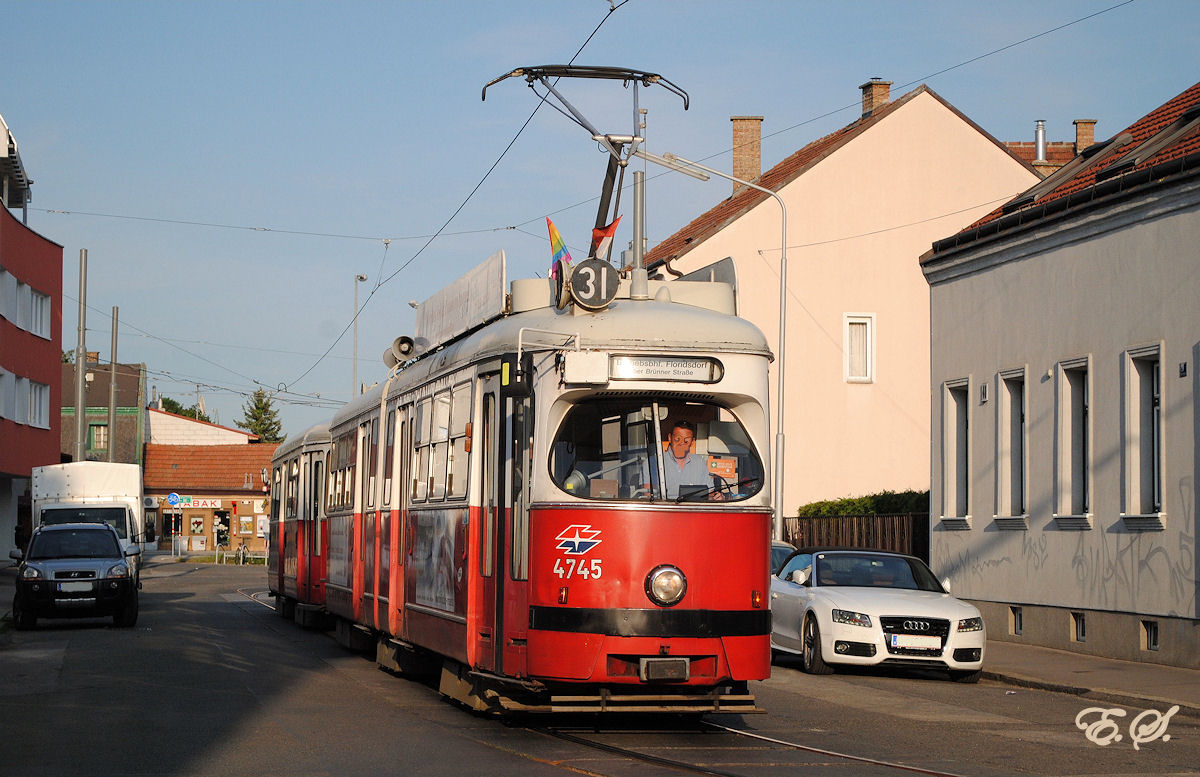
354 384
697 170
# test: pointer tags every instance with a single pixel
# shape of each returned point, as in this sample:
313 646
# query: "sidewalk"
1123 683
1132 684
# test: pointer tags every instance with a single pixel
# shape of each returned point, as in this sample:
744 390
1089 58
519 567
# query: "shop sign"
198 503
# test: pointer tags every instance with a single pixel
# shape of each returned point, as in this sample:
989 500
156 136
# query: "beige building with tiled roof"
203 494
863 204
1065 397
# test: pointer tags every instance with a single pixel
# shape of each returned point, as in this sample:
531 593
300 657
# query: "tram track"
586 736
577 735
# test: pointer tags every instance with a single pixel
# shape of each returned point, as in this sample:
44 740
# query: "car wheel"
23 618
966 677
811 656
128 615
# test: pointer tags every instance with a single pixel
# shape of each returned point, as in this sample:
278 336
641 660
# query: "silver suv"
75 570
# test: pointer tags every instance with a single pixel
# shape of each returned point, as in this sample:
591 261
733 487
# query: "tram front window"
647 450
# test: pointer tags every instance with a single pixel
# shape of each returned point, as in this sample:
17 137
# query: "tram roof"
680 317
313 435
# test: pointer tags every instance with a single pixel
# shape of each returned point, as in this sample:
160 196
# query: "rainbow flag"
557 247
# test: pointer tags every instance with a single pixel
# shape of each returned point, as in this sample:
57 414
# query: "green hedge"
885 503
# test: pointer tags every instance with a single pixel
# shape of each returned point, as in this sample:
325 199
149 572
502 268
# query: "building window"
1010 444
8 395
1141 447
1016 621
8 296
955 449
1073 434
1149 635
1078 627
39 316
24 306
858 337
98 437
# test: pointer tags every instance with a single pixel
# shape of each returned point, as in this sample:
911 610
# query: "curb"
1095 694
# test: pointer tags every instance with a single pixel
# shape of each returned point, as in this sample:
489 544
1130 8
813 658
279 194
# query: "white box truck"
92 492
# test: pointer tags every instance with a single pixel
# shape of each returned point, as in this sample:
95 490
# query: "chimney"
875 94
747 148
1085 134
1039 142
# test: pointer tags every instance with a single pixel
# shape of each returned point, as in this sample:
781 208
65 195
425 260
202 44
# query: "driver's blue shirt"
694 472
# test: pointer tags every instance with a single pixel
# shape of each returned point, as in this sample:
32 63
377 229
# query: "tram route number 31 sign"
593 284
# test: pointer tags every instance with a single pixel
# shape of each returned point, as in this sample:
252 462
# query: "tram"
299 533
502 504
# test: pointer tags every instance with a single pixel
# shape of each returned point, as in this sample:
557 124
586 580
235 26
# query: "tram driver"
684 469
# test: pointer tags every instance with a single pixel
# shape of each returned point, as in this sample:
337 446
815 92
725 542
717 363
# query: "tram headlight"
666 585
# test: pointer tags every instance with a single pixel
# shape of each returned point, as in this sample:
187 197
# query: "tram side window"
349 463
388 456
618 449
275 480
315 502
460 417
293 485
420 455
440 443
331 479
370 435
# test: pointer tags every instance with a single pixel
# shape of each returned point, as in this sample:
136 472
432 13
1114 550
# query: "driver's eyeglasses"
681 438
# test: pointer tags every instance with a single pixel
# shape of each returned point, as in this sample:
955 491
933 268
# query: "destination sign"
675 368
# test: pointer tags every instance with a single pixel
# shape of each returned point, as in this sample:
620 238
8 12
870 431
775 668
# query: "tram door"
315 515
487 642
513 564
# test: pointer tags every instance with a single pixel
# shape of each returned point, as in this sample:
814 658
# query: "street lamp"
697 170
354 385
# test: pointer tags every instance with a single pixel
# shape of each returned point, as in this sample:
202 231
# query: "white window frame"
8 395
1142 446
8 296
39 405
39 315
867 320
956 449
98 430
1012 444
24 308
1073 440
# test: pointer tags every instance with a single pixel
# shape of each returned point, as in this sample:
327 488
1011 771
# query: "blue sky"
231 166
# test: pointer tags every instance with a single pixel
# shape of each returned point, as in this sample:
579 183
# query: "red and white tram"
501 502
299 534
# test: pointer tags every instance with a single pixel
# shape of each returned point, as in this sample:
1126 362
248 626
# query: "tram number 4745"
571 567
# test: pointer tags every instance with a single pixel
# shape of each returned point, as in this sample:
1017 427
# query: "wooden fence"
907 533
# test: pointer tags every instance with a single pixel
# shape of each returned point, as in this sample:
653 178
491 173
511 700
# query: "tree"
260 417
172 406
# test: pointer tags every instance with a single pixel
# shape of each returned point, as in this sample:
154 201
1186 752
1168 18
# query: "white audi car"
869 607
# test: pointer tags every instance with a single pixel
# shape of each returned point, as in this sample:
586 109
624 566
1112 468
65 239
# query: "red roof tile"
729 210
213 468
1122 155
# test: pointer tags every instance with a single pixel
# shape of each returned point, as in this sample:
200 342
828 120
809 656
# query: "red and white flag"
602 238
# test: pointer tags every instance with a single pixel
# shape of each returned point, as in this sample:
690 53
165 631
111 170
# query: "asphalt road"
211 682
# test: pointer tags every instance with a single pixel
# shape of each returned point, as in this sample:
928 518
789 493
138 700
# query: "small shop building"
201 498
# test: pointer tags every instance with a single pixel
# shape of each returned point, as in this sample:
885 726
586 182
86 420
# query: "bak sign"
199 503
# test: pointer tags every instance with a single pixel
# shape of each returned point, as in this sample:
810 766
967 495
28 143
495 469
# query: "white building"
863 203
1066 400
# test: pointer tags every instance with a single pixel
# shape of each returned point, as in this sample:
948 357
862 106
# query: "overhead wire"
380 280
612 9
